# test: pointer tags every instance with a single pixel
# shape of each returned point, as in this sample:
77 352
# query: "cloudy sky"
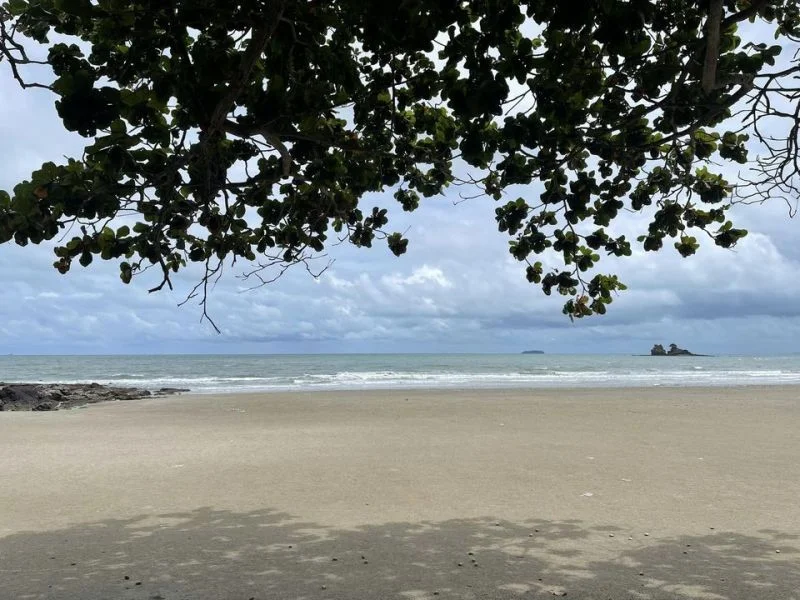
456 290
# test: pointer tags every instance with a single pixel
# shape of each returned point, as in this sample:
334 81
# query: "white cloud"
420 277
457 288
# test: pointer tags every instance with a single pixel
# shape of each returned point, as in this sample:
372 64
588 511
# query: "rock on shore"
57 396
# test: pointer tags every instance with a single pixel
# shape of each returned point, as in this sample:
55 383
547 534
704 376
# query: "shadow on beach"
214 554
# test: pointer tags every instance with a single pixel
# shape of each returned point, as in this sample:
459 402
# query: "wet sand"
597 494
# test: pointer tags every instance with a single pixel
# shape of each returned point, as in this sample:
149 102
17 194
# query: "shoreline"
444 391
504 389
105 393
159 392
135 396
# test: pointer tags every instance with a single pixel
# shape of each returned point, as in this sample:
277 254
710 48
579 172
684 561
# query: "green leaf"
17 7
397 244
218 152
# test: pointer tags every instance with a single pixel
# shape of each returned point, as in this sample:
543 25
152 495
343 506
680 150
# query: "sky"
456 290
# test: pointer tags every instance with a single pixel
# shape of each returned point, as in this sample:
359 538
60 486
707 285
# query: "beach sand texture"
597 494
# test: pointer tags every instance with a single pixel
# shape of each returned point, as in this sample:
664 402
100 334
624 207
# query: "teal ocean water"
250 373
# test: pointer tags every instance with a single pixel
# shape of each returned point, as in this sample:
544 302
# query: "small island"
533 351
674 350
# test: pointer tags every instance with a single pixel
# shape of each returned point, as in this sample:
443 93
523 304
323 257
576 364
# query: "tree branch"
713 23
6 40
258 43
751 11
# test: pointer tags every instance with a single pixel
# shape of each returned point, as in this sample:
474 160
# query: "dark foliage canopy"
219 131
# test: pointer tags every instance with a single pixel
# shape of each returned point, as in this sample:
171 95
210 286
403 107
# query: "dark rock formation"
56 396
674 350
533 351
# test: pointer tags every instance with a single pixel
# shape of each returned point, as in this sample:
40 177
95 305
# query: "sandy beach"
594 494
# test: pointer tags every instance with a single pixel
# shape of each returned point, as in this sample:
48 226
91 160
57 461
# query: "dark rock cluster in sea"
658 350
57 396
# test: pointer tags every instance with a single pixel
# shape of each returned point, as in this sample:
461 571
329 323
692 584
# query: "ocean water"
254 373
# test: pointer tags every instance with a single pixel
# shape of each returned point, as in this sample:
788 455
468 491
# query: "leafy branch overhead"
256 130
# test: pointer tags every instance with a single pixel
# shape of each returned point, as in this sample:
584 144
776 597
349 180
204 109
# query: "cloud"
421 276
457 288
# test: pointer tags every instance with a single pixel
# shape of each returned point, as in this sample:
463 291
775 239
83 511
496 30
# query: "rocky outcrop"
56 396
674 350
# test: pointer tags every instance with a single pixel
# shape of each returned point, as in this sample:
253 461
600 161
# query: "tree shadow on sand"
214 554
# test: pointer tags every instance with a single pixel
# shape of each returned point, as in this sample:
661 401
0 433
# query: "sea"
206 374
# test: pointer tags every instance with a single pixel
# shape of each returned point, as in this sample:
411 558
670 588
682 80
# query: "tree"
256 130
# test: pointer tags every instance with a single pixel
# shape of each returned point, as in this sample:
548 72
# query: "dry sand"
599 494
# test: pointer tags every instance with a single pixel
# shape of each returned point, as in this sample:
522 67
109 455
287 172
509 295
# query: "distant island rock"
55 396
674 350
533 351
